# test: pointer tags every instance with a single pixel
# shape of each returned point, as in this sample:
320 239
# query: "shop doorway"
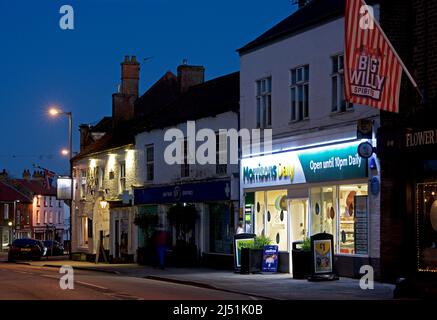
298 209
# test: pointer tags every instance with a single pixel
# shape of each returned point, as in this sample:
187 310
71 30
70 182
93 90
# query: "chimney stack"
189 76
130 75
26 175
123 101
85 140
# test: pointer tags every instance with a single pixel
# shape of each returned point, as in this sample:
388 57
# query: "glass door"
298 219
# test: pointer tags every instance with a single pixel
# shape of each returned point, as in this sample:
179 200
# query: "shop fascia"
327 163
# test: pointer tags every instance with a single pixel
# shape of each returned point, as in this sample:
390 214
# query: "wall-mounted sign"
365 150
420 138
364 129
361 225
188 192
63 190
328 163
270 259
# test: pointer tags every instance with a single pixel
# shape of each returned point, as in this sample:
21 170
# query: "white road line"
91 285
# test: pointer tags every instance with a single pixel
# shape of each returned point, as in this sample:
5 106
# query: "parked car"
58 248
31 249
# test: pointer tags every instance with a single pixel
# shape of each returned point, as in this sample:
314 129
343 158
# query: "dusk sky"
79 69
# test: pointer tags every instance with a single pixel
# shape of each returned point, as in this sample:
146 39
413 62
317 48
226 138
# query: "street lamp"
54 112
65 152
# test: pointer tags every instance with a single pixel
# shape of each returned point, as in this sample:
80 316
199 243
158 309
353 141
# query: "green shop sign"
333 163
320 164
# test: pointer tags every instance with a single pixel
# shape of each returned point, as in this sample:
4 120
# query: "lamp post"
55 112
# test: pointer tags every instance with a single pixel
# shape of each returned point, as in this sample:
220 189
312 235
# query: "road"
22 282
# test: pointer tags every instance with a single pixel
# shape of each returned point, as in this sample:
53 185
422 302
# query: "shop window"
353 219
259 213
277 218
220 228
323 210
426 219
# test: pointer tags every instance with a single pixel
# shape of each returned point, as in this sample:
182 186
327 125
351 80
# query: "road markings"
91 285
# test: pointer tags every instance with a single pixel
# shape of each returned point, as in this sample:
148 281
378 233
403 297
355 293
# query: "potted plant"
252 255
301 255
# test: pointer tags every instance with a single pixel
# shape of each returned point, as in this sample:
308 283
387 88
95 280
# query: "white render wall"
168 174
313 47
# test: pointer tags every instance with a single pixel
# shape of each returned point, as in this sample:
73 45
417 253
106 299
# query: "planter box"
251 260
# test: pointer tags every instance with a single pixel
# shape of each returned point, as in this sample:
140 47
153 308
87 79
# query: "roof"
311 15
10 194
34 187
207 99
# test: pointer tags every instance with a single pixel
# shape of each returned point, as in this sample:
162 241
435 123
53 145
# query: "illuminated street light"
64 152
10 223
103 204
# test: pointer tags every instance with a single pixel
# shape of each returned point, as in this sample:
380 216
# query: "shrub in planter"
252 255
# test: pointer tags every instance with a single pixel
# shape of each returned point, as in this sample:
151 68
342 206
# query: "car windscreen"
23 242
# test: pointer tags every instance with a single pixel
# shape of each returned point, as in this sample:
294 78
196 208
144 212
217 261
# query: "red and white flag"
373 70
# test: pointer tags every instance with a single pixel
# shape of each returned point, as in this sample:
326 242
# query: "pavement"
263 286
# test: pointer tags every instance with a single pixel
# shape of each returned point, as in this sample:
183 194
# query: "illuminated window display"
277 218
352 223
259 212
323 210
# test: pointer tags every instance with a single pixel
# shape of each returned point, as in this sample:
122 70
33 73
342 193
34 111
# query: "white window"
100 177
18 217
338 102
264 103
6 211
150 163
83 231
220 169
83 183
299 93
46 202
45 217
51 201
38 217
59 217
122 176
38 201
185 167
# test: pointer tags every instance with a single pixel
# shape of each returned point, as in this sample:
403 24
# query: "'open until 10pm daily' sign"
337 162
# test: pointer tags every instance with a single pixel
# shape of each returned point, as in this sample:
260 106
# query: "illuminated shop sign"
330 163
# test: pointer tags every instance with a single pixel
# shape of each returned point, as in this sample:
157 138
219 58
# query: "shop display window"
277 218
324 210
259 212
350 222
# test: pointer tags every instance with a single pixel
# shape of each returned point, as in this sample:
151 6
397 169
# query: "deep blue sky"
41 65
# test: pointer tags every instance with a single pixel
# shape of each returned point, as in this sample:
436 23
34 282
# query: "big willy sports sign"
373 69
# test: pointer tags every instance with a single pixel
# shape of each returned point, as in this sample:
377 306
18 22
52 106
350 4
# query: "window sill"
292 122
340 113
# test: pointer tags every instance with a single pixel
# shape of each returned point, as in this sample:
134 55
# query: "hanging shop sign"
328 163
270 259
188 192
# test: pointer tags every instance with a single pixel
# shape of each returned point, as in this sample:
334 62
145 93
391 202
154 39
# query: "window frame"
337 77
263 91
299 86
150 164
122 176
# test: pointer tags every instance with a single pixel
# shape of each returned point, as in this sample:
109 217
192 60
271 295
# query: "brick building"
407 148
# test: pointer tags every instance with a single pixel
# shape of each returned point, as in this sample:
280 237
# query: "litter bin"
301 261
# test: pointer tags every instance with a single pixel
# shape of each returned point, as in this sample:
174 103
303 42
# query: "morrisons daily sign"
330 163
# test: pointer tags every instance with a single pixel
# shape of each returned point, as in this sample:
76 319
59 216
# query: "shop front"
414 200
198 216
293 195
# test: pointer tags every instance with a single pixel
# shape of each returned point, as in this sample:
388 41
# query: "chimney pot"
189 76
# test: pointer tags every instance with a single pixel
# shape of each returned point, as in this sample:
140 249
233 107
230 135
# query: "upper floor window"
299 93
264 103
19 222
38 217
51 201
60 204
46 202
100 177
38 201
6 211
150 163
83 174
122 176
185 167
220 169
338 102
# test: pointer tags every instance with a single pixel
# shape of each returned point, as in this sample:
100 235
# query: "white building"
211 188
292 82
